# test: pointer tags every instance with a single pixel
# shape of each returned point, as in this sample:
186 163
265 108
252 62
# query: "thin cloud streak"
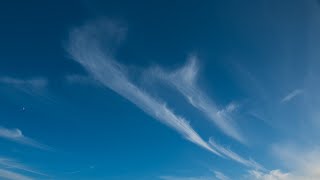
184 80
84 49
6 174
221 176
37 82
35 86
234 156
12 164
291 95
16 135
184 178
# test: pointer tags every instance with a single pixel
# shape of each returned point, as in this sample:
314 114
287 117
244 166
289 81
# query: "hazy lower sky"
160 90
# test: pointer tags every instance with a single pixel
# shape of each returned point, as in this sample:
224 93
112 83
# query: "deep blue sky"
171 90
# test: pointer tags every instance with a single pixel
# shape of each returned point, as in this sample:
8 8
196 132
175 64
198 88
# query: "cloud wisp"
291 95
35 87
37 83
184 178
184 81
84 49
12 164
221 176
6 174
235 157
16 135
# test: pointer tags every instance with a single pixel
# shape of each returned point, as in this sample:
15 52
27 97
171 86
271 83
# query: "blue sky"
163 90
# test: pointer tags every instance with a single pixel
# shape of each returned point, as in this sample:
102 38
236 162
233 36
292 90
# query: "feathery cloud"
183 178
6 174
35 87
272 175
13 164
291 95
221 176
37 83
234 156
16 135
84 49
184 80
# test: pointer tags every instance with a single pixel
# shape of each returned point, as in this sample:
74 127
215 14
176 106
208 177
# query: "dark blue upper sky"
171 90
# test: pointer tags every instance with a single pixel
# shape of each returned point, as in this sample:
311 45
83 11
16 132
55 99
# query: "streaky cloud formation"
291 95
6 174
184 178
272 175
37 82
16 135
184 80
221 176
234 156
13 164
35 86
84 49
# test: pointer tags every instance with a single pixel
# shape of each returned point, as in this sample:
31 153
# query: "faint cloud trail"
16 135
292 95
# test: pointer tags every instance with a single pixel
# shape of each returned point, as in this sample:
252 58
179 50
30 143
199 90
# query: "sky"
160 90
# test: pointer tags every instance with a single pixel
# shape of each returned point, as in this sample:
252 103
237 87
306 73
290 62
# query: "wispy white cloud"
184 178
10 175
35 87
271 175
291 95
38 82
234 156
13 164
84 49
184 80
221 176
16 135
230 108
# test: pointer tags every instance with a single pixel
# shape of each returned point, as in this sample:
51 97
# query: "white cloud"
37 82
272 175
6 174
234 156
183 178
230 108
184 80
13 164
84 48
218 176
16 135
35 87
291 95
221 176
